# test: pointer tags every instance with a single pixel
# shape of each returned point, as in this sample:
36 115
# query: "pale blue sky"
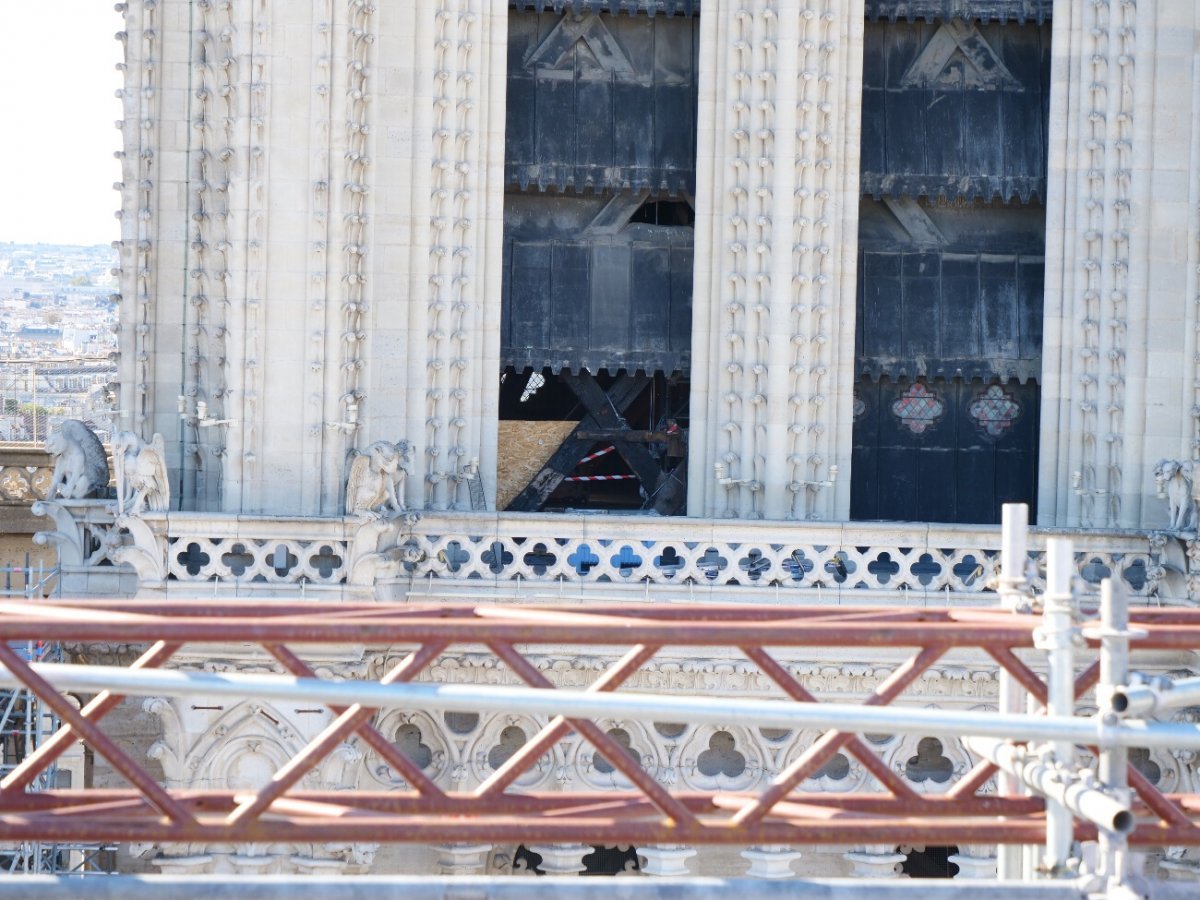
57 81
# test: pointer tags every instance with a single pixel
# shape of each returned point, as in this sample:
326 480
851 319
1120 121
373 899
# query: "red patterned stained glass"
918 408
994 410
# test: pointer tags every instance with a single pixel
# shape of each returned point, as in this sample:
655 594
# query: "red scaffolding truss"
966 812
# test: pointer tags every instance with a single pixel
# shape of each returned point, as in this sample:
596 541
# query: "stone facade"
311 262
310 253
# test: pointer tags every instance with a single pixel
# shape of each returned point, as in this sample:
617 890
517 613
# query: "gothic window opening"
678 213
948 337
928 862
600 160
525 860
611 861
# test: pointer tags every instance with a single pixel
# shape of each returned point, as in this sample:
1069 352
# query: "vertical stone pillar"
1123 242
666 860
877 861
463 859
153 245
561 859
770 862
774 291
433 347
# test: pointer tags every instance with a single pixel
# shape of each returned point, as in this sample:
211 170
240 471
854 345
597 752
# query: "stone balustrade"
472 555
25 472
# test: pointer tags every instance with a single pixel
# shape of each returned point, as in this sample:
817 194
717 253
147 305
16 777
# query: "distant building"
40 334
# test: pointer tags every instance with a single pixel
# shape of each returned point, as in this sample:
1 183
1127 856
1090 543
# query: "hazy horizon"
57 95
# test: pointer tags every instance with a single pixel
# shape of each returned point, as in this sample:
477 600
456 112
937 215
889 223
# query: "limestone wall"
310 230
776 223
1123 243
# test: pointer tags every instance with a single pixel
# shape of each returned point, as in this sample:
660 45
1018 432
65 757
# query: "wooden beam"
625 390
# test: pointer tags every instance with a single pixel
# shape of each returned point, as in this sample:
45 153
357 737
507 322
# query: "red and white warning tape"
599 477
596 455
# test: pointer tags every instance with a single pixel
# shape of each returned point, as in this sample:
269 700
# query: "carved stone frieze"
22 484
700 676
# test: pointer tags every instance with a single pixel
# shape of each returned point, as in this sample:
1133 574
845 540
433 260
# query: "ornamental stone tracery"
240 744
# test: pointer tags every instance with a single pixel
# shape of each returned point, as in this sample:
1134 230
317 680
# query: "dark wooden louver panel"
600 155
619 302
951 259
645 7
956 110
970 315
943 450
601 102
1020 11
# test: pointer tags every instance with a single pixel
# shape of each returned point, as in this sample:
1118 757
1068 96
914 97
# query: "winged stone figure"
142 483
375 483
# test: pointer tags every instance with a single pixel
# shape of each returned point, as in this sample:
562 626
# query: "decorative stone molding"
879 861
463 859
259 859
1092 309
770 862
561 859
355 56
206 383
146 552
1191 324
666 861
25 475
240 744
704 675
140 131
975 862
326 107
773 311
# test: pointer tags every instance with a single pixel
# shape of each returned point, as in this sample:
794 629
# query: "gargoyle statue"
141 474
80 463
1173 478
375 484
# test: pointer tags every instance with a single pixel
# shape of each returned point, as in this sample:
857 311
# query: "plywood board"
523 450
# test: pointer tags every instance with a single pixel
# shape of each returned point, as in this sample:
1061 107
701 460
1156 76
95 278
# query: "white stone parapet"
477 555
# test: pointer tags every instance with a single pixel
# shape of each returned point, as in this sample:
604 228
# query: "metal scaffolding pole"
1014 597
1061 729
1114 637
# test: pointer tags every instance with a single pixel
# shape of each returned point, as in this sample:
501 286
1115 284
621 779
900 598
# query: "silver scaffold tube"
1078 791
715 710
1157 696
